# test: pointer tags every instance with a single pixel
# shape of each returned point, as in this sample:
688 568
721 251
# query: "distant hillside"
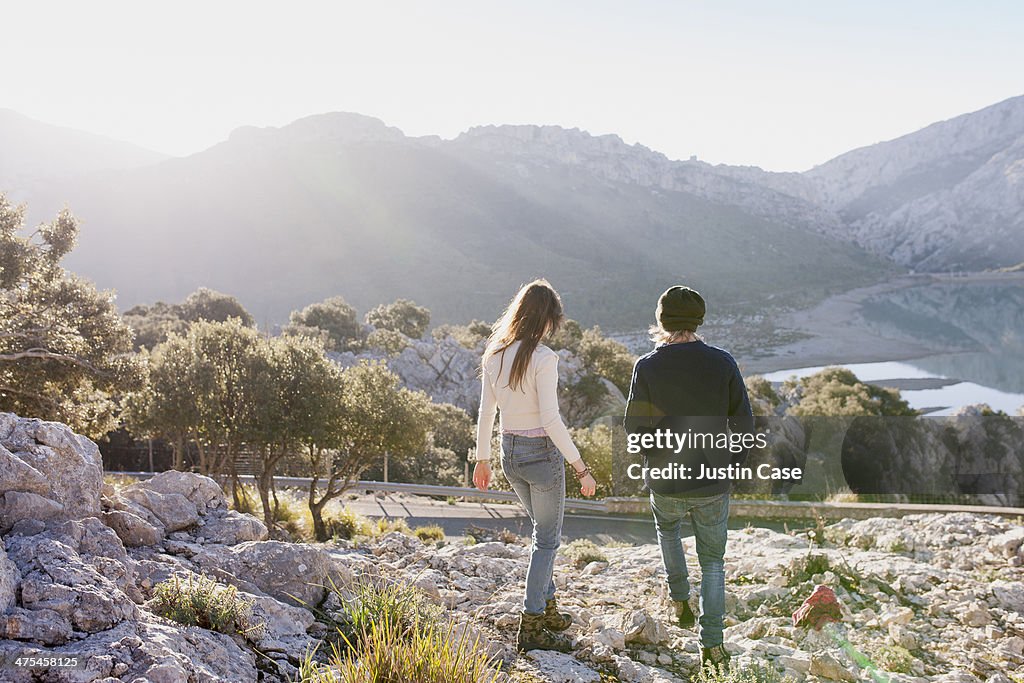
948 196
31 152
340 203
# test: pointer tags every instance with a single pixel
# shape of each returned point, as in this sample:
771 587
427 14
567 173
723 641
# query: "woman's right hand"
588 486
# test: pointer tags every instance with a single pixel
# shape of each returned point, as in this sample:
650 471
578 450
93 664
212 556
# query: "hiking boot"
555 620
534 636
684 615
715 658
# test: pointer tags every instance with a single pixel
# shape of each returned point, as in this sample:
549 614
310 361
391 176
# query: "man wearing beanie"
686 386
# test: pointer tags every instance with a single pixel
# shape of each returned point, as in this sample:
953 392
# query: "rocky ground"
926 598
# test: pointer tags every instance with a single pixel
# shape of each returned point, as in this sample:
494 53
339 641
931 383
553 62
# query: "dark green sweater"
689 386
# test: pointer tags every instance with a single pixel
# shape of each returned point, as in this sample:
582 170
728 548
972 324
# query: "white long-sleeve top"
533 405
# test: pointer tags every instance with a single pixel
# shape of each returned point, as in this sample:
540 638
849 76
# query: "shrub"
388 632
346 524
893 658
431 533
749 674
383 603
384 526
426 653
289 512
582 552
205 603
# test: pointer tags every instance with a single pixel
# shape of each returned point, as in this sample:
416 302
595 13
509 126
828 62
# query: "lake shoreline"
835 332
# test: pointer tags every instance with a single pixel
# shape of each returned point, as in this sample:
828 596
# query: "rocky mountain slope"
948 196
343 203
929 598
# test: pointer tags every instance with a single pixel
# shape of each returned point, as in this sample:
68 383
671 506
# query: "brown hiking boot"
684 615
555 620
534 636
715 658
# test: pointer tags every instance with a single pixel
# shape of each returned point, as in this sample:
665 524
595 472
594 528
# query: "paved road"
454 518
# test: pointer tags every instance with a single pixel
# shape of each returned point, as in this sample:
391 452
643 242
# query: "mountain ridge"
504 203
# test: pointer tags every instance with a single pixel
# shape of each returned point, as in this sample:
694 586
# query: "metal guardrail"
575 504
739 508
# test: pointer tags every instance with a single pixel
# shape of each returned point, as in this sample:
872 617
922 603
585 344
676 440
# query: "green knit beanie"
680 308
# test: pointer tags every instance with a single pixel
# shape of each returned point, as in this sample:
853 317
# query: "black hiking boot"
684 615
534 636
715 658
555 620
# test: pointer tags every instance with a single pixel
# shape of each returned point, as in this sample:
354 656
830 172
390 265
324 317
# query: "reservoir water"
940 400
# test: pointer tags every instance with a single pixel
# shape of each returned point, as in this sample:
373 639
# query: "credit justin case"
701 472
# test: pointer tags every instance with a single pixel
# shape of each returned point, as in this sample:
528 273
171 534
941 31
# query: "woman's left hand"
588 486
482 475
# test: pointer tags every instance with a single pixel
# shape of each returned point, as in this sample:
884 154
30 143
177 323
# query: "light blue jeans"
710 519
536 471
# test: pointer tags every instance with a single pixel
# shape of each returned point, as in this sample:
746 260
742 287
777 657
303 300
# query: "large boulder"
143 650
69 464
9 578
79 570
174 510
230 528
16 506
202 491
133 530
294 573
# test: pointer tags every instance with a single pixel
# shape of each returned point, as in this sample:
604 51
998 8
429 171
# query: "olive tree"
206 387
377 416
65 353
402 316
333 321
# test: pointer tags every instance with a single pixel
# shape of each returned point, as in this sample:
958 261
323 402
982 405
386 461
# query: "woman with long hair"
520 379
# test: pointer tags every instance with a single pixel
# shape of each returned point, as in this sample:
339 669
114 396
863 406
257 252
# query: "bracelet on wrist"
581 473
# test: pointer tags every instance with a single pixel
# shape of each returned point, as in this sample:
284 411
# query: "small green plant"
754 673
431 533
346 524
205 603
118 481
388 631
893 658
583 551
384 526
425 653
802 568
385 602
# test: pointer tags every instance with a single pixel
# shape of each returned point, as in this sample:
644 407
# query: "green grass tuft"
207 604
431 533
582 552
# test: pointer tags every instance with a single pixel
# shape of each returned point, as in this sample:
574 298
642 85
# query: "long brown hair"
536 310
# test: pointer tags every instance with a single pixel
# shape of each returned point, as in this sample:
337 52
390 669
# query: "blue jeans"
710 518
536 471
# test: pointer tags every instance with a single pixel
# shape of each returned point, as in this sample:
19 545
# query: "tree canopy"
334 321
402 316
156 322
64 350
836 391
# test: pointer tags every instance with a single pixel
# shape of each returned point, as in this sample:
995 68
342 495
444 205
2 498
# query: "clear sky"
782 84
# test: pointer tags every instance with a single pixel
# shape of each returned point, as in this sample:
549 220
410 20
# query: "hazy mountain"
948 196
32 152
342 204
